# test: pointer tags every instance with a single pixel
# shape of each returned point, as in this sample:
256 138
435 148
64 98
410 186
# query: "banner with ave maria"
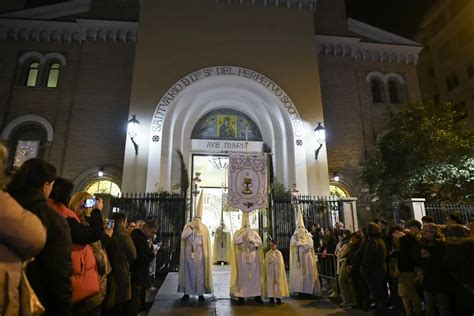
247 181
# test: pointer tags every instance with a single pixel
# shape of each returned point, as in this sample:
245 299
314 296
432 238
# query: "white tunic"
302 266
248 264
193 265
273 288
220 241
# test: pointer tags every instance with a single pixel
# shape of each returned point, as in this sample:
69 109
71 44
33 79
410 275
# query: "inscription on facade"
178 87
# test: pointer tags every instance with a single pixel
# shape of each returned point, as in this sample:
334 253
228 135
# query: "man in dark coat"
140 269
125 255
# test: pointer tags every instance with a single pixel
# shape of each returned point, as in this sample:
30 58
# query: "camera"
110 224
89 202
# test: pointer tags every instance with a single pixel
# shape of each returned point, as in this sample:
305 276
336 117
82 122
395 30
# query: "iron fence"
168 210
325 211
440 211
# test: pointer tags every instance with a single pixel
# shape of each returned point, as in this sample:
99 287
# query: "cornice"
355 48
51 11
82 30
300 4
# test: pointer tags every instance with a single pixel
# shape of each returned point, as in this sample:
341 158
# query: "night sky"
401 17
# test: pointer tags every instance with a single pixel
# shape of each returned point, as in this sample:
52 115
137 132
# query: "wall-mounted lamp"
336 176
101 172
133 125
320 133
294 194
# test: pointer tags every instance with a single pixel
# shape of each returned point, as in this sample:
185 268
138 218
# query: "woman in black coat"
50 272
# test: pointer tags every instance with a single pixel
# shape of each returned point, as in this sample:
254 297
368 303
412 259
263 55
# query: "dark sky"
398 16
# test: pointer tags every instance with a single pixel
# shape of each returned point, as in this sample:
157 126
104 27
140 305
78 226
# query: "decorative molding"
53 11
13 124
81 30
299 4
355 48
42 58
379 35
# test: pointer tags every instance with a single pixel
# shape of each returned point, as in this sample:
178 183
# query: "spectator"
414 227
401 223
91 217
339 229
317 233
328 248
453 219
427 220
125 255
140 269
22 235
348 295
435 274
329 241
49 274
354 265
85 279
408 255
140 223
131 226
374 267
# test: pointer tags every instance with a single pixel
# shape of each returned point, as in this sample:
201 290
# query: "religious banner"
247 181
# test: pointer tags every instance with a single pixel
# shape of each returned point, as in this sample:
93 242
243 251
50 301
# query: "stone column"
417 207
349 209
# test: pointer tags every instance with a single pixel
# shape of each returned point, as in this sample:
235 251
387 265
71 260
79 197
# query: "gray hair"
3 166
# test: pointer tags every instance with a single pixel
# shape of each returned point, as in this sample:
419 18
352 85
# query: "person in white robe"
247 269
275 274
222 245
304 278
195 262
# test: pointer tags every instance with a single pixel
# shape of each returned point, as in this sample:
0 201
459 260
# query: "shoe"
241 300
272 301
345 305
201 298
333 294
185 298
258 299
278 301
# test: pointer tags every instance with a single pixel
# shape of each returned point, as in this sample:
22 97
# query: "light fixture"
133 125
320 133
196 181
101 172
336 176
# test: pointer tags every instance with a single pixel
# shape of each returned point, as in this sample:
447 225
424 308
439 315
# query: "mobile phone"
89 202
110 224
156 246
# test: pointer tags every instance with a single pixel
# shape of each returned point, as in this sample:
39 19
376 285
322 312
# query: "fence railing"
440 211
169 212
325 211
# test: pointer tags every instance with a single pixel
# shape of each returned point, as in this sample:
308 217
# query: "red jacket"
85 278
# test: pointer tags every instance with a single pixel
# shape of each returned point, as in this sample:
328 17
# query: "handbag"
29 302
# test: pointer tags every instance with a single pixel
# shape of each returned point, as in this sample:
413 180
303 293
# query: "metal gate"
325 211
168 210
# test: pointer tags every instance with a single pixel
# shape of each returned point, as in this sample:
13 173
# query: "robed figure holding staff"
304 278
222 244
195 261
247 269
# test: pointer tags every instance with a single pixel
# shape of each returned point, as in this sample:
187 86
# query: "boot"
278 301
185 298
201 298
258 299
272 301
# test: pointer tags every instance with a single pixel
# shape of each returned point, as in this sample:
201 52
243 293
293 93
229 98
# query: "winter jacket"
126 254
436 276
373 260
140 269
409 253
22 235
84 279
50 273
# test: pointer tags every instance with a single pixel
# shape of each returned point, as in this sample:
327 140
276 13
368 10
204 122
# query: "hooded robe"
195 261
222 244
275 275
247 269
304 276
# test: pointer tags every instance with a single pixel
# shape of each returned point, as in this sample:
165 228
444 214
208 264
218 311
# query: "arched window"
103 186
32 74
394 92
53 75
377 87
337 191
26 142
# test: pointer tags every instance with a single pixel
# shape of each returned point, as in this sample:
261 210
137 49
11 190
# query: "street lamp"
133 126
336 176
320 133
294 194
101 172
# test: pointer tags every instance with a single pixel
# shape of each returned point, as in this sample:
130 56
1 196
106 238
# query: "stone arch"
13 124
226 87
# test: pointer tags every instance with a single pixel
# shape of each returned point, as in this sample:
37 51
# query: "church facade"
202 77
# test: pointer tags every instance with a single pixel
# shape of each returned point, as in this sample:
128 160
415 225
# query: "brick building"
74 72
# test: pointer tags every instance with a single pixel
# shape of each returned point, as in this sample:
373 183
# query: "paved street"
167 302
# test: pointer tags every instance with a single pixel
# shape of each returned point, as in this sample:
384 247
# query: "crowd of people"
410 268
62 248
